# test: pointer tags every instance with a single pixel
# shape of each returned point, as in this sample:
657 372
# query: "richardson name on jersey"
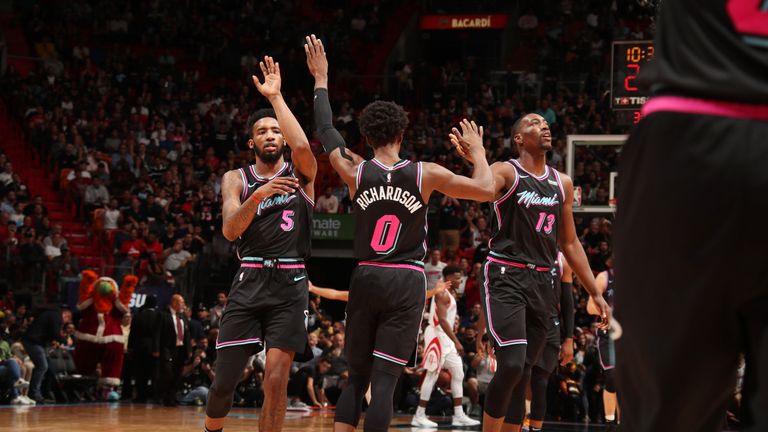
532 198
391 193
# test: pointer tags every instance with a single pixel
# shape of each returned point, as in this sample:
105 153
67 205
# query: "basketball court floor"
142 418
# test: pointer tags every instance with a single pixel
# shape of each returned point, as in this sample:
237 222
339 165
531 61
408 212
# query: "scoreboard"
627 60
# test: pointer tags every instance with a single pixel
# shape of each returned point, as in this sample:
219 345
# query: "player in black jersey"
267 211
689 243
390 195
605 345
532 219
558 350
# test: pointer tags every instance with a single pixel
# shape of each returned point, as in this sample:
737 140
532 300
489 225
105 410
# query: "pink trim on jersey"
359 173
516 264
306 197
600 356
490 318
389 357
542 177
686 105
560 258
502 199
279 266
388 265
394 167
245 184
266 179
418 175
560 184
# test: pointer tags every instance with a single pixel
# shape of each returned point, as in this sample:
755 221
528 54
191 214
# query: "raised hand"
468 142
271 70
317 62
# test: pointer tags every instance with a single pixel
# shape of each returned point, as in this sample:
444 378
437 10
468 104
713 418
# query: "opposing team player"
387 290
267 212
605 345
442 349
532 217
557 350
690 261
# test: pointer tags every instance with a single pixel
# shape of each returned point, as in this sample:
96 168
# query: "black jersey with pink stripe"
525 221
282 225
712 49
390 213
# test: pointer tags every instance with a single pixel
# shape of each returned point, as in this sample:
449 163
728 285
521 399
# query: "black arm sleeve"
330 138
567 307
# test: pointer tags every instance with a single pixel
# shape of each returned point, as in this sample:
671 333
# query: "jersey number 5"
287 224
385 234
750 17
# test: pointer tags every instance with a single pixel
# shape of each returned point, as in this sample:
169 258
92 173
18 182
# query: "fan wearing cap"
100 338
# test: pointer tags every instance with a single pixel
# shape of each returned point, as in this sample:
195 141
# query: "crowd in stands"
140 134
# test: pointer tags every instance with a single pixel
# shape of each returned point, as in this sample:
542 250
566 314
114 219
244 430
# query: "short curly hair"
382 122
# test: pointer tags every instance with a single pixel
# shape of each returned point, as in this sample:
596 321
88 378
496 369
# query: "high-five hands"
317 62
271 70
468 142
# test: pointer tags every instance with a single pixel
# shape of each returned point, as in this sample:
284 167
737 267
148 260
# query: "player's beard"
269 158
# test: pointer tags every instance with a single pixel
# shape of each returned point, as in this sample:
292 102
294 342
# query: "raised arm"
469 144
343 161
295 138
574 252
237 216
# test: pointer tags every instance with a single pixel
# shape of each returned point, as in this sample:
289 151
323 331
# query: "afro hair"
383 122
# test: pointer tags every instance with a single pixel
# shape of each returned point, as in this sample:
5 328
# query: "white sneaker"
21 384
421 420
29 400
18 401
463 420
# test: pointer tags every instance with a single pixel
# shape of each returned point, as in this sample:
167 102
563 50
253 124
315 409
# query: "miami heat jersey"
390 213
282 224
714 49
450 316
526 219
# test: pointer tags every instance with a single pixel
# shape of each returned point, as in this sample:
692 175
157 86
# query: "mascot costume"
100 338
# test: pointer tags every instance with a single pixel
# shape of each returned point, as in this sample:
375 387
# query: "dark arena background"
118 121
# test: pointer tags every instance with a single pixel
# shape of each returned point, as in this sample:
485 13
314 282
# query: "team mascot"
100 339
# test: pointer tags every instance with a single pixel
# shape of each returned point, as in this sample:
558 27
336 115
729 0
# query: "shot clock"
629 58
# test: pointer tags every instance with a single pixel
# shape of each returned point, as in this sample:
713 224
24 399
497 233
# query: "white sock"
421 411
610 418
458 410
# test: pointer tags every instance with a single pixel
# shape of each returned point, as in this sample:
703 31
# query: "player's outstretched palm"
272 81
468 142
317 62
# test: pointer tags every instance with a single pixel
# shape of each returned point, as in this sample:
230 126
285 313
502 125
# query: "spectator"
144 326
327 203
172 347
96 195
45 329
434 268
178 258
218 310
111 215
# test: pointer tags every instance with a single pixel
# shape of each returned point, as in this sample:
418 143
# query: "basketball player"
605 345
267 211
558 349
693 179
532 217
390 195
442 349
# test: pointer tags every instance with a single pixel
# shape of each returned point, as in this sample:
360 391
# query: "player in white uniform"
442 349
